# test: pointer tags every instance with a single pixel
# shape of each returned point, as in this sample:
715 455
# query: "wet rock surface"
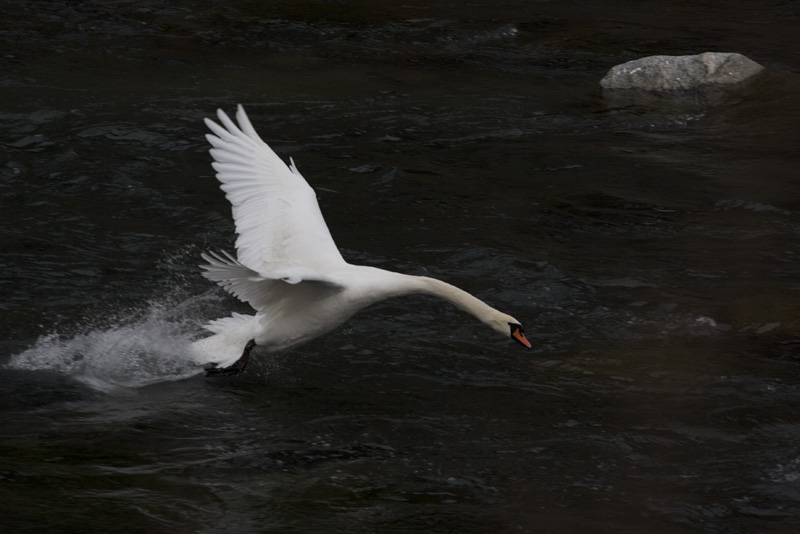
662 74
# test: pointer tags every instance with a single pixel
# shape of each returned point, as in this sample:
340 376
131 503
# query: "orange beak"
520 337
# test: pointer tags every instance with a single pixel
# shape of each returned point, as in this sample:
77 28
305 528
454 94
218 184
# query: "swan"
287 266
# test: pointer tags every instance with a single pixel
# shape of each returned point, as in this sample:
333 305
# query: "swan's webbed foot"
237 367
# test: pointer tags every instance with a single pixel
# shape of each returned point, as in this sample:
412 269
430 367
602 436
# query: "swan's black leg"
237 366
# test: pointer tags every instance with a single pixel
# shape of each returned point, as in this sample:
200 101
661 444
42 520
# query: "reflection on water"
651 251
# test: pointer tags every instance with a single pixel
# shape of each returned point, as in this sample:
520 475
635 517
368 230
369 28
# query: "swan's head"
518 335
507 325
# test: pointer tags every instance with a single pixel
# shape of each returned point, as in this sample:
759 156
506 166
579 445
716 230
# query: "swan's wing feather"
244 121
278 221
266 292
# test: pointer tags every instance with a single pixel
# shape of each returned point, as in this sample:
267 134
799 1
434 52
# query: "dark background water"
650 249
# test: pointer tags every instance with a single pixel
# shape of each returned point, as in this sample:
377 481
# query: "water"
650 251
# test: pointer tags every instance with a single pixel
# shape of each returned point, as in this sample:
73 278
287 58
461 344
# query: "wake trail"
148 346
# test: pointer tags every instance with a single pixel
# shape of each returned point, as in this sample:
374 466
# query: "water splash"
146 347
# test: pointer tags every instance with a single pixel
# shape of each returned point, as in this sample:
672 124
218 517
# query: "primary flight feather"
287 266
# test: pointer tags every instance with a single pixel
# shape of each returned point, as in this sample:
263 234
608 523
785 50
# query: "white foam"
146 348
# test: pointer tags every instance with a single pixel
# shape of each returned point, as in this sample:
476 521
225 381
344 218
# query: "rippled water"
651 249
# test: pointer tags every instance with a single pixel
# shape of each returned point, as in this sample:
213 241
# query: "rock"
665 74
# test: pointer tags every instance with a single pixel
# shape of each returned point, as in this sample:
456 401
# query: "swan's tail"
234 323
231 334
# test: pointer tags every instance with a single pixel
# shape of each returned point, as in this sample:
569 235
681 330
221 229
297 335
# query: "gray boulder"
665 74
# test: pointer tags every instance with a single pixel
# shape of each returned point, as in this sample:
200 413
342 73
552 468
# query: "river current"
651 249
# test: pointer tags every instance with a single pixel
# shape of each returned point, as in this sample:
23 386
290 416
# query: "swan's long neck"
406 285
378 284
457 297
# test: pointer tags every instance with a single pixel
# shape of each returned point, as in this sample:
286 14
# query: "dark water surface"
651 251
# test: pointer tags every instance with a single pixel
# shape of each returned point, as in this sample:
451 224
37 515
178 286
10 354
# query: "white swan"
287 266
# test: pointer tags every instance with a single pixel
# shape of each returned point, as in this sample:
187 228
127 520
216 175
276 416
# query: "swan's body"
287 267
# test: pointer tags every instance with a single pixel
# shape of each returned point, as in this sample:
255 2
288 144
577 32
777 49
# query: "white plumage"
287 266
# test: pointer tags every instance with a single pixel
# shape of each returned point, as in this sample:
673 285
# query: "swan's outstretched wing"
278 221
270 293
